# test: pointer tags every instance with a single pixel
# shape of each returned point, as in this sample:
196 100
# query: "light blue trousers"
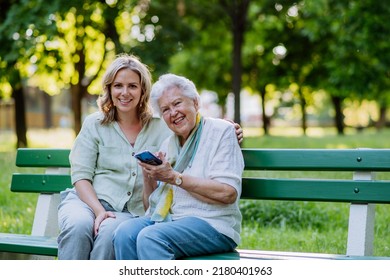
76 240
143 239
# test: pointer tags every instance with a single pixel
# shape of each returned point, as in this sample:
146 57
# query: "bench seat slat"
317 159
28 244
279 255
40 183
222 256
27 157
316 190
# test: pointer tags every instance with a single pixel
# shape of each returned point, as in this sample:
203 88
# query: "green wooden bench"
361 191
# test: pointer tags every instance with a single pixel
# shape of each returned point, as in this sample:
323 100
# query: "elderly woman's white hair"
169 81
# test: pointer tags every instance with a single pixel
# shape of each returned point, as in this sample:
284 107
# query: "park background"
294 74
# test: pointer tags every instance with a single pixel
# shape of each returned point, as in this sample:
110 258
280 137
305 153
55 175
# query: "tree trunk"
78 91
237 71
20 112
266 121
47 110
381 123
76 107
237 11
339 117
303 109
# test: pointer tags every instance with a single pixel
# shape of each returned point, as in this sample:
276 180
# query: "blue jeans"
143 239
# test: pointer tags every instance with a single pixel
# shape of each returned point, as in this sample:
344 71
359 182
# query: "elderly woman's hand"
163 172
239 132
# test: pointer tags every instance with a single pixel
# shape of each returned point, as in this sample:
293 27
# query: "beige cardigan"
218 157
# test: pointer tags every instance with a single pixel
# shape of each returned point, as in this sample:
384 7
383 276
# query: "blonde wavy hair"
105 103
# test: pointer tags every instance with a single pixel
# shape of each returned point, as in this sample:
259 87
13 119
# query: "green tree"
206 58
365 48
209 58
355 59
67 42
163 30
270 49
237 11
21 25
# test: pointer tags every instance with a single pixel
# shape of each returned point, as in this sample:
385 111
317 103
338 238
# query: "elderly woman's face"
179 112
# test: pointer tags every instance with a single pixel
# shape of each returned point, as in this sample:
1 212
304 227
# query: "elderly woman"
192 197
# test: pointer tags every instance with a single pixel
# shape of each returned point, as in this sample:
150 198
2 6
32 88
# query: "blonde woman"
106 177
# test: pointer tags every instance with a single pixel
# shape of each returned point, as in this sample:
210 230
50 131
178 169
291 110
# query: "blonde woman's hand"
100 218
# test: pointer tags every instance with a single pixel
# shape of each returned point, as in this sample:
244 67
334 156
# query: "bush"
291 214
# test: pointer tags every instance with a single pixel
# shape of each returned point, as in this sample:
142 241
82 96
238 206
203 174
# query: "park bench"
362 191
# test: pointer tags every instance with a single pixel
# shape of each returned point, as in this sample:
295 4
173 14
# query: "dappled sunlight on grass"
290 138
279 137
252 131
7 140
317 132
39 138
56 138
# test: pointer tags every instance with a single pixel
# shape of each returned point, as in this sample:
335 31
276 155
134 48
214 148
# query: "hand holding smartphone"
148 157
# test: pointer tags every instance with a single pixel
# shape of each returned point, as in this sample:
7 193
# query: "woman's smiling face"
179 112
126 90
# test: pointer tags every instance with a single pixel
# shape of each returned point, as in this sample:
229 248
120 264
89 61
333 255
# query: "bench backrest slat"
27 157
317 159
40 183
255 159
316 190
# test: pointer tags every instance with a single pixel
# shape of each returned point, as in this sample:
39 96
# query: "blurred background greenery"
263 63
294 74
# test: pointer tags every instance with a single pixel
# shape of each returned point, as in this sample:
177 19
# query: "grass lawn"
268 225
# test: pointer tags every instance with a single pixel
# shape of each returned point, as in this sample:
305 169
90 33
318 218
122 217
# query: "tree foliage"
24 27
339 47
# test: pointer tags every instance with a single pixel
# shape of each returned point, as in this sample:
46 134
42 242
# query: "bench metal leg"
361 230
46 217
361 223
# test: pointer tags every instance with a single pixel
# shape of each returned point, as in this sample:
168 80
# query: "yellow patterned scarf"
160 200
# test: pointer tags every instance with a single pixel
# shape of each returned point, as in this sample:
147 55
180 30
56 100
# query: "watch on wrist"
179 180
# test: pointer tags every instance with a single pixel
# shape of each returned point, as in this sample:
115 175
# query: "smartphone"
148 157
